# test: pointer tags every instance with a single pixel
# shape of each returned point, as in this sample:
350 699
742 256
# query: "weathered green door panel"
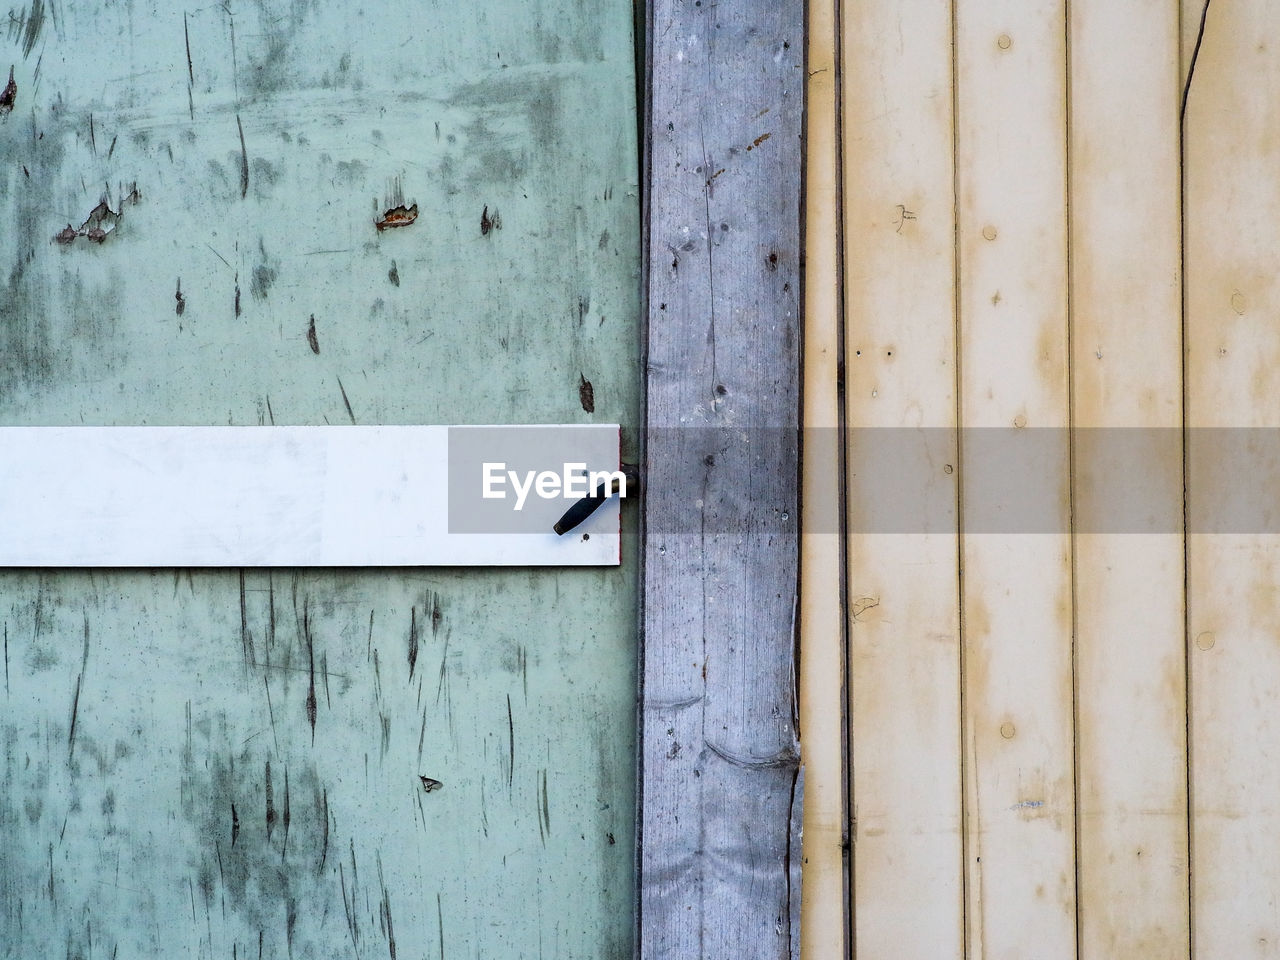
216 763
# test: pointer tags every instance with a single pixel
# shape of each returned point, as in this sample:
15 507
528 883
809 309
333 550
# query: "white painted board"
295 496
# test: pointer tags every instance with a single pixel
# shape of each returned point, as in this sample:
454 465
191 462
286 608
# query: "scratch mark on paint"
271 803
28 25
511 744
413 641
235 825
270 710
284 848
180 301
312 340
244 161
186 35
386 912
75 710
246 642
311 671
75 703
489 223
345 402
324 813
440 922
6 658
1027 804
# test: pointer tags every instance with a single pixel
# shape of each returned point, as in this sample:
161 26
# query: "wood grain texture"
822 649
1231 246
226 764
1016 590
1126 366
900 358
719 861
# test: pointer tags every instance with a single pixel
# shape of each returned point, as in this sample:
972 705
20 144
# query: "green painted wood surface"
227 763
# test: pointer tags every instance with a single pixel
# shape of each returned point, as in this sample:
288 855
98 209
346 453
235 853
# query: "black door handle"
589 504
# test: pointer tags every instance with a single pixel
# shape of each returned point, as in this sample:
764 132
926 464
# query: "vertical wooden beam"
719 759
1127 411
903 587
1231 247
1016 557
822 663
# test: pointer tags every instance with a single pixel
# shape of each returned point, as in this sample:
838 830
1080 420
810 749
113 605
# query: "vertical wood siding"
903 613
822 660
1063 705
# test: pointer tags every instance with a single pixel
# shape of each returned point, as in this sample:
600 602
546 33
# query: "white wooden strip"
294 496
903 586
822 663
1127 381
1011 137
1232 246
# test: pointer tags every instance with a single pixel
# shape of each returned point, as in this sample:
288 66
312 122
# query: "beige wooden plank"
1016 590
904 673
1232 245
822 910
1127 396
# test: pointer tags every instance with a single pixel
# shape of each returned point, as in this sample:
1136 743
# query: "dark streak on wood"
235 825
724 898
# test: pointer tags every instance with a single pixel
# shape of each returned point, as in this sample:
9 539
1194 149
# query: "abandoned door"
298 212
